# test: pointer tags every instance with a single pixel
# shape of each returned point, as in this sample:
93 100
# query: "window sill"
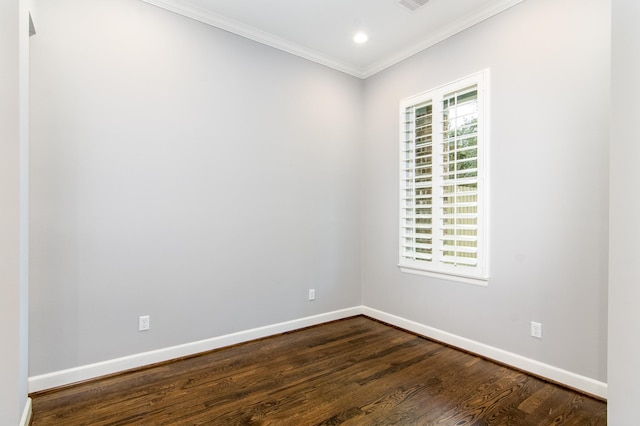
483 282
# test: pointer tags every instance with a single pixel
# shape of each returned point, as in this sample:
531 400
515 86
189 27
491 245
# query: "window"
443 181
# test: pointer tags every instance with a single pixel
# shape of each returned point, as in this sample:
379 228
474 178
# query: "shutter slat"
460 249
459 260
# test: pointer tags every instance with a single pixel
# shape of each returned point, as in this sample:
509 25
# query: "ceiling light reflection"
360 38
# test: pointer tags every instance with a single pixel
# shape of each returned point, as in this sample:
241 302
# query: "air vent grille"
412 5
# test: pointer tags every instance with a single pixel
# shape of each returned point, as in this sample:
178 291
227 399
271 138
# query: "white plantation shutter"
417 179
442 181
459 178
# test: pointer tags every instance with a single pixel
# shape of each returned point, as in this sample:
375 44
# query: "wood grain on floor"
355 371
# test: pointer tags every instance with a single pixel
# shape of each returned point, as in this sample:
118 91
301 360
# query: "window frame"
436 268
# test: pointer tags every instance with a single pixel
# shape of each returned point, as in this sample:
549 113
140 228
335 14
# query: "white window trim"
479 276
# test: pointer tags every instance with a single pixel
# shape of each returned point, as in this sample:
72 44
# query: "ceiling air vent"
412 5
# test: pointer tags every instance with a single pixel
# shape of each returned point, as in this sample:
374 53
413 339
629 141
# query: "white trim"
483 282
25 420
478 274
91 371
452 29
73 375
27 29
255 34
567 378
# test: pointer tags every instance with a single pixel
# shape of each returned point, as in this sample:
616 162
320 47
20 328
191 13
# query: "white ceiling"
322 30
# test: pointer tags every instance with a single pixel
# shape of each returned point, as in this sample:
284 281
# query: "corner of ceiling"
453 28
255 34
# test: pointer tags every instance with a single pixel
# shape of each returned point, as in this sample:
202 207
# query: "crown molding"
455 27
211 18
255 34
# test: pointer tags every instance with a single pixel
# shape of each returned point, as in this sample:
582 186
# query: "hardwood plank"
350 372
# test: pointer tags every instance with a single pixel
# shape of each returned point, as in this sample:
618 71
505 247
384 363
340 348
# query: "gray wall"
186 173
549 106
13 273
624 276
208 181
9 215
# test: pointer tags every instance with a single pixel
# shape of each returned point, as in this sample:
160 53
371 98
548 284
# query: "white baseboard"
91 371
555 374
86 372
26 413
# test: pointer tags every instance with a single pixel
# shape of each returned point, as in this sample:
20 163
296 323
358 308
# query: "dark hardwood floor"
353 372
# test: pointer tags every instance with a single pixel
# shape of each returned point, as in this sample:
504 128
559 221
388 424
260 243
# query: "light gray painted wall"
13 304
624 275
26 26
549 106
186 173
159 145
9 215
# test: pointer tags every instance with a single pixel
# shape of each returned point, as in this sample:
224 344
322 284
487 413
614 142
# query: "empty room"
430 224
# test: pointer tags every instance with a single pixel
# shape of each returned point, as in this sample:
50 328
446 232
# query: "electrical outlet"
536 329
312 294
143 323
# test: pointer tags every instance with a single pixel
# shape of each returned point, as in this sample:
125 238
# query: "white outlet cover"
143 323
536 329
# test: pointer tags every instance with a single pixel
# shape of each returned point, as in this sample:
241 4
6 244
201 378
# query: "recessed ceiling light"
360 38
